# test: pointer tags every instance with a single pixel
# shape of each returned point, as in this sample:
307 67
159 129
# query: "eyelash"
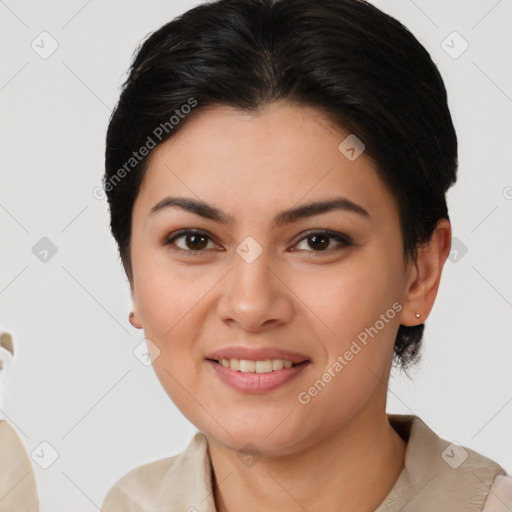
344 241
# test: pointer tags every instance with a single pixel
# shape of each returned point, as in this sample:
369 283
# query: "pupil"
320 245
194 238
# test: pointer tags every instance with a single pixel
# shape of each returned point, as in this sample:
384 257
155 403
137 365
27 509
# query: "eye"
195 241
321 241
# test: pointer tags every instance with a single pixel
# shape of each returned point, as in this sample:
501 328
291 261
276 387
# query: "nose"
255 295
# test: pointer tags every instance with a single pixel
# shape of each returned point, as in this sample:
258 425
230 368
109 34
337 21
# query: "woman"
276 173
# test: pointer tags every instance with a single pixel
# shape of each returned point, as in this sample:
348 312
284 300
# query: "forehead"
278 156
278 125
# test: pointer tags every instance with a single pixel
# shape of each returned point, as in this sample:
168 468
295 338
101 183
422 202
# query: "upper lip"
256 354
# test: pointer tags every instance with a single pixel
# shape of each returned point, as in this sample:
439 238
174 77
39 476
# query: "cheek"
165 303
355 297
362 308
169 308
167 295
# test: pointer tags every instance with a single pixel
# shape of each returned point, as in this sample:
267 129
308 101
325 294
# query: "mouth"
257 366
256 376
252 369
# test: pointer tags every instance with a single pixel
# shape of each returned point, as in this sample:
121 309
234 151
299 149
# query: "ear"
424 275
134 319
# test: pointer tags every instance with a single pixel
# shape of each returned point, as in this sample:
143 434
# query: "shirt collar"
436 474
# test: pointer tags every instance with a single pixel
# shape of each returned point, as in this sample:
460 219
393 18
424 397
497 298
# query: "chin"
267 437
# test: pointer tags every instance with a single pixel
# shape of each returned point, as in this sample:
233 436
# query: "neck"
365 454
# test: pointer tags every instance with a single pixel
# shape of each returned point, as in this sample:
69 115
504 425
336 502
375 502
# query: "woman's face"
254 283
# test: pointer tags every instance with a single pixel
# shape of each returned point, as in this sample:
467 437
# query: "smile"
256 376
250 366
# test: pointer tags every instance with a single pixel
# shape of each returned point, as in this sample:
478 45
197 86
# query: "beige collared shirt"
438 476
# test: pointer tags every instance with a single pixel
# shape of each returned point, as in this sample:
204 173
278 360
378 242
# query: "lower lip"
256 382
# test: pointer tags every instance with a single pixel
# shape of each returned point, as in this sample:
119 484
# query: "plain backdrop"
76 383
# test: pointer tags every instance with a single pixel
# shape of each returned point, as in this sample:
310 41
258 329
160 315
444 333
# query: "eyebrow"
207 211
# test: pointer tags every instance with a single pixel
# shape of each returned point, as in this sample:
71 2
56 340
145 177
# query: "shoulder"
441 472
500 494
152 486
129 493
466 473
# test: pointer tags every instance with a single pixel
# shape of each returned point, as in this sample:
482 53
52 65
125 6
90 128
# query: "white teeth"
263 366
277 364
249 366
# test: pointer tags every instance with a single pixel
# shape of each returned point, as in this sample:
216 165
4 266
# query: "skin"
307 300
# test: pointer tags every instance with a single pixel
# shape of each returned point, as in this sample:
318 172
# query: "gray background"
76 383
